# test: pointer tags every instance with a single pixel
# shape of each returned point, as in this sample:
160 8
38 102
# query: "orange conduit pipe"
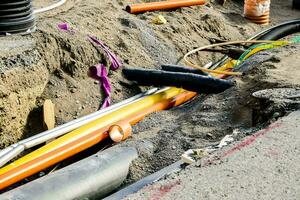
46 160
122 130
163 5
17 173
107 120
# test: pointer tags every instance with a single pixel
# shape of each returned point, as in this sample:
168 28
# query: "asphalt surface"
263 166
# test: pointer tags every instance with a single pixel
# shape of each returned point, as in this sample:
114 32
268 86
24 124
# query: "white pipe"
12 151
51 7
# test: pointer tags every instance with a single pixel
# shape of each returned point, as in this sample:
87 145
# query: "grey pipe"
137 186
14 150
91 178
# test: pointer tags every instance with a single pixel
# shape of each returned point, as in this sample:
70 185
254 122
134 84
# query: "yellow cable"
106 120
189 63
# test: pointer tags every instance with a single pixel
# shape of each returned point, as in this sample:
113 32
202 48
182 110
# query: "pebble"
52 82
42 174
59 73
73 90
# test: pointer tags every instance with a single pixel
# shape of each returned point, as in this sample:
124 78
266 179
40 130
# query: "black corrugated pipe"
16 16
91 178
178 68
189 81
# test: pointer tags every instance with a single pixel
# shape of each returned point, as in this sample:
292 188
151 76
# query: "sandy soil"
59 60
52 64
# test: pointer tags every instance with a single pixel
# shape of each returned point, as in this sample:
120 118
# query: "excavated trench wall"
53 64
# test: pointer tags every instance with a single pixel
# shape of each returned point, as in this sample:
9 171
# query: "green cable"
263 47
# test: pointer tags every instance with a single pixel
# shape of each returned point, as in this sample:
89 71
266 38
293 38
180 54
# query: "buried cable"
88 135
267 34
191 64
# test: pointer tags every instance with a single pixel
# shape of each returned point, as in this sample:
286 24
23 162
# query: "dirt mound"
52 64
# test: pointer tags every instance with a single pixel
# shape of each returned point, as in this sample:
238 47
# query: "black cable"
279 26
281 32
177 68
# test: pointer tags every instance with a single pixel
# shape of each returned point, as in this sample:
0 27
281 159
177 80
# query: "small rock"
52 82
59 73
73 90
159 20
210 135
42 174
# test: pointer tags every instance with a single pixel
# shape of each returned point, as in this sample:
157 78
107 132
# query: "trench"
60 62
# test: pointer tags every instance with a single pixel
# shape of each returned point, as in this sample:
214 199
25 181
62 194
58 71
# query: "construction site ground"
53 64
265 165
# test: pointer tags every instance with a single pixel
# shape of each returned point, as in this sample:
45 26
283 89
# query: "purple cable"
65 27
115 63
99 72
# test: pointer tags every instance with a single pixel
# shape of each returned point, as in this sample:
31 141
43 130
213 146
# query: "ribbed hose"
189 81
177 68
16 16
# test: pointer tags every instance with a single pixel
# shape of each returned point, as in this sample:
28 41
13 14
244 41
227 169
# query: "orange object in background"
77 145
163 5
258 11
